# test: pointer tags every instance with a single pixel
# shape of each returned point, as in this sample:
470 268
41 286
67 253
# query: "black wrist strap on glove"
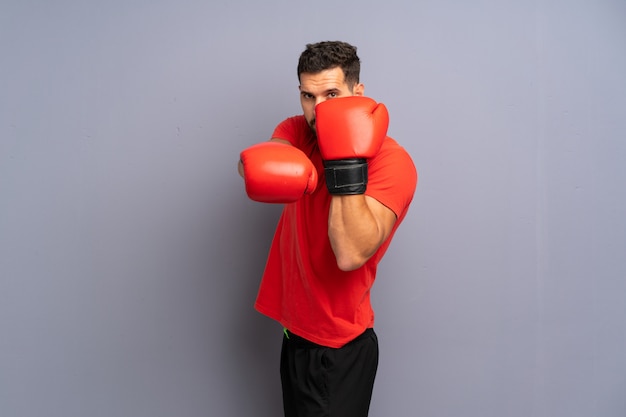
346 176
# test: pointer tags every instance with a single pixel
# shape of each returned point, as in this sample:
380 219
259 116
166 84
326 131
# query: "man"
346 187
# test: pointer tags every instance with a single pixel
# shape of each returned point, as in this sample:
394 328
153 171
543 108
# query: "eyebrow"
330 90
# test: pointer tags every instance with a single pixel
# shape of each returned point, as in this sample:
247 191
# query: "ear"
358 89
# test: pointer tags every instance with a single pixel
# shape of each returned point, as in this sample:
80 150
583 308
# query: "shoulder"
293 129
394 157
392 177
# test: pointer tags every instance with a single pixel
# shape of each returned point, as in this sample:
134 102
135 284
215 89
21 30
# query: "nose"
319 100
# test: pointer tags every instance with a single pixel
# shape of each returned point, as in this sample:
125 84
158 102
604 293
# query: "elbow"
349 257
348 263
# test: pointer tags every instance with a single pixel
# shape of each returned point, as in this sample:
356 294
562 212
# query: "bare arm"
357 226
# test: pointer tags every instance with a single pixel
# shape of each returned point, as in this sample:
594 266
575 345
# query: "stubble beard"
311 124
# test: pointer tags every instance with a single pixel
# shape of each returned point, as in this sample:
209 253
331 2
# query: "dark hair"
326 55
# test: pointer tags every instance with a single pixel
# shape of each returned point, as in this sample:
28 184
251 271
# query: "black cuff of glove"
346 176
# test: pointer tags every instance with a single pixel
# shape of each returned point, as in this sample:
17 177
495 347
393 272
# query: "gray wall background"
130 256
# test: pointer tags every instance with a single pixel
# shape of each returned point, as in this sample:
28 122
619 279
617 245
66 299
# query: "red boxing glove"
349 130
277 173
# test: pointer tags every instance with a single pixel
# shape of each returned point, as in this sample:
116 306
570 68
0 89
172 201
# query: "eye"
332 94
307 96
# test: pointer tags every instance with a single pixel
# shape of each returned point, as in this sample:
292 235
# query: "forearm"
355 230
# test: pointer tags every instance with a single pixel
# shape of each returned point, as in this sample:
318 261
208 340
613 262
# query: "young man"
346 187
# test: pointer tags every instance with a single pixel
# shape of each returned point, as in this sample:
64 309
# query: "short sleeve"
392 177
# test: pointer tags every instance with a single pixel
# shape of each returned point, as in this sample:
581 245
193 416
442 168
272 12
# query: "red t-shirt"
302 287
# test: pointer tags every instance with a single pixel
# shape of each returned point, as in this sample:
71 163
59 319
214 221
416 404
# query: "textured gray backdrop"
130 256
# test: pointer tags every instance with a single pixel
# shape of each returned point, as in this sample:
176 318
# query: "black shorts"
319 381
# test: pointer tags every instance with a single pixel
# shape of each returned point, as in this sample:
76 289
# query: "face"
322 86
